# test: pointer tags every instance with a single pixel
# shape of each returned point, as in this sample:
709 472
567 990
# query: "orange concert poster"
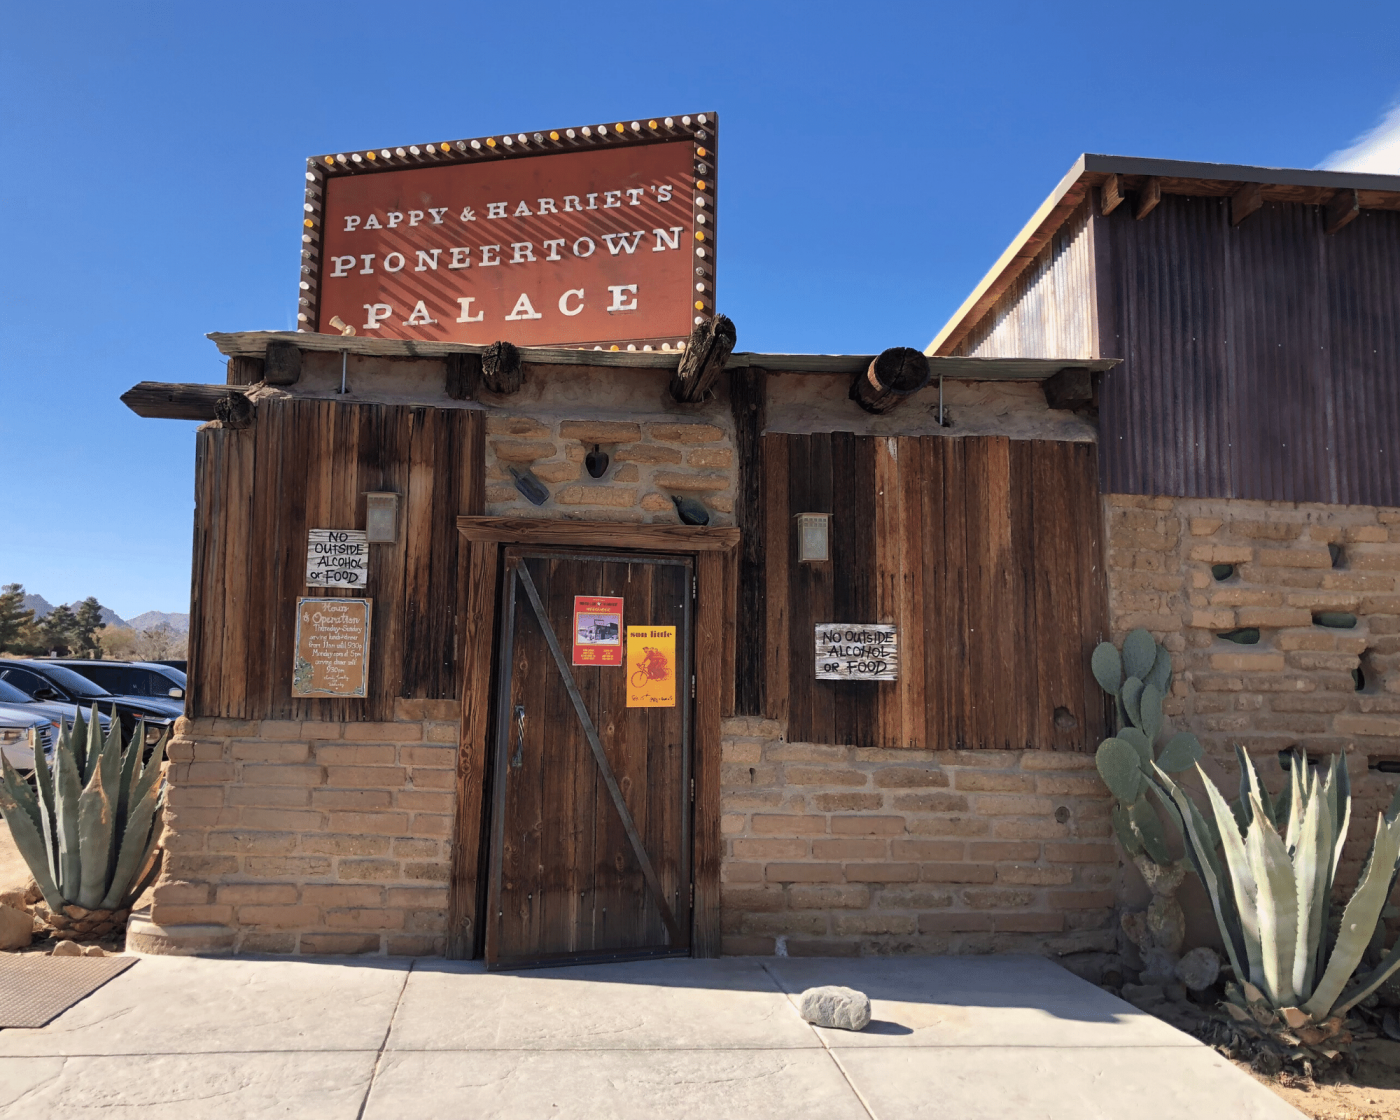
651 666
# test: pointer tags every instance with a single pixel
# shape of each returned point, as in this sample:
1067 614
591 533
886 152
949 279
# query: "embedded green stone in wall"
1246 636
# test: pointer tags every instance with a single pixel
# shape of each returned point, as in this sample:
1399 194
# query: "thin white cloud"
1376 151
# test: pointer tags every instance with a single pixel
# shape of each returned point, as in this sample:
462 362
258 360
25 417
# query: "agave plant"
1271 892
87 828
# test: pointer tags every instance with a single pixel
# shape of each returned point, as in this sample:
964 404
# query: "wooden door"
590 852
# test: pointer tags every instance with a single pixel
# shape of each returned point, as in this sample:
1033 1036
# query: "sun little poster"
597 631
651 666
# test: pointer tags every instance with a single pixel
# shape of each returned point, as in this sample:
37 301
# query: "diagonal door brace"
600 757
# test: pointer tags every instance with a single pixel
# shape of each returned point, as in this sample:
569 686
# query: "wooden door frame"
712 548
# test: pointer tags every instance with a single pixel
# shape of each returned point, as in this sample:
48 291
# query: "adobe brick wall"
650 461
846 851
1296 685
313 837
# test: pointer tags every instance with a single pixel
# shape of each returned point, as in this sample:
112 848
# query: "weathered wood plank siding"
984 551
306 464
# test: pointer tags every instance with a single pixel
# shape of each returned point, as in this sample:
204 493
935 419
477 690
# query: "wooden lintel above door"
598 534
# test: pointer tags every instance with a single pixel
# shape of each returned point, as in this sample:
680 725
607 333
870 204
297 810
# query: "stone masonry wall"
1296 685
650 461
845 851
313 837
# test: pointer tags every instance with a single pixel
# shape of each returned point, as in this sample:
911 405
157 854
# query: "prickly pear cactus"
1139 678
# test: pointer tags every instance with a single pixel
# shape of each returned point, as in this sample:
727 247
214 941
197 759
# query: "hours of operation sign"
332 649
856 651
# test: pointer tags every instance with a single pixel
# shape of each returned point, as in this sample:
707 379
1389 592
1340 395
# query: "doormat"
35 989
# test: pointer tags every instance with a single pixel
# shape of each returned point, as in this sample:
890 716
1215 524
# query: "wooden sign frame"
857 651
700 129
304 670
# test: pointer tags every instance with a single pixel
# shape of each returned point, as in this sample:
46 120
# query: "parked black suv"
139 680
45 680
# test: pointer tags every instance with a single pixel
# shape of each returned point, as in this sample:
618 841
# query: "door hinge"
692 791
694 588
692 896
692 687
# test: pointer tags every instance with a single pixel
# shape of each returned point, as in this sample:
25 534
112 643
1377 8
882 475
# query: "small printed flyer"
651 666
597 631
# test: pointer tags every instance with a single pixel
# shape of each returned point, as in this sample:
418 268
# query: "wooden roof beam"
1110 195
1148 197
1246 200
164 401
1342 210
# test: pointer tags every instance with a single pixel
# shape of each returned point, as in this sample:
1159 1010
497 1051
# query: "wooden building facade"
1101 433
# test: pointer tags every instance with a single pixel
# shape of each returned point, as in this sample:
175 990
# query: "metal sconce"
382 518
814 537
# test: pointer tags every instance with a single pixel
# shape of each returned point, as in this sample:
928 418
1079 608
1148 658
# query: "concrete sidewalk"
180 1038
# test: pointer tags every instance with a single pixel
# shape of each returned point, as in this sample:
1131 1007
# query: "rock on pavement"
833 1006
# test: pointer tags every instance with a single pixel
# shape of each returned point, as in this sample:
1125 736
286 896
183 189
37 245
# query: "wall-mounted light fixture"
814 536
382 518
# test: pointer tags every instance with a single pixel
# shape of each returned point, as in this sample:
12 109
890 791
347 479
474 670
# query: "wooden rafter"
1342 210
1149 195
1245 201
1110 195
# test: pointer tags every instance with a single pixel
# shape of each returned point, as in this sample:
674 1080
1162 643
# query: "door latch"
518 758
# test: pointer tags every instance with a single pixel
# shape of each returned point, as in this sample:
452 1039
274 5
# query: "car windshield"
9 694
73 682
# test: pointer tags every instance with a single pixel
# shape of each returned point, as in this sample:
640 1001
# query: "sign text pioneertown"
586 237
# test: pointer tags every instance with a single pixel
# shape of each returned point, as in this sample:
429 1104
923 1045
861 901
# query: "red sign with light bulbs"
599 236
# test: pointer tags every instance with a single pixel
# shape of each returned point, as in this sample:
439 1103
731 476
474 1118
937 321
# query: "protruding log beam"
1111 195
1343 209
896 374
283 364
463 376
710 345
1247 199
234 410
243 370
1072 387
162 400
500 368
1148 197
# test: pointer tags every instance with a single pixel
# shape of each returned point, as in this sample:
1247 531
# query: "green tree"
15 621
59 631
86 623
19 633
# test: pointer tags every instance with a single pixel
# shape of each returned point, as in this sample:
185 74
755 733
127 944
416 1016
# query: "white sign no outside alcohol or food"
857 651
337 558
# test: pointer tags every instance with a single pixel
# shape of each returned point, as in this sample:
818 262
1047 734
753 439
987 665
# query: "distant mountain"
109 617
179 623
38 604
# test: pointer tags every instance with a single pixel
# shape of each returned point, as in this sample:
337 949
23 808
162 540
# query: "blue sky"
874 161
